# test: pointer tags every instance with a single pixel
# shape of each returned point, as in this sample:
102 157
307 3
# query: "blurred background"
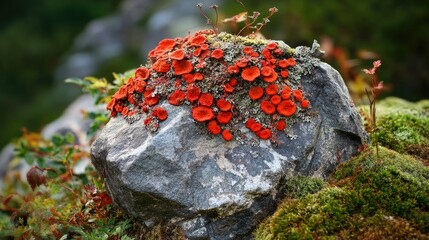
43 42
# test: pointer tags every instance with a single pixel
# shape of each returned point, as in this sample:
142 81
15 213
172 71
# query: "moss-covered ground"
366 199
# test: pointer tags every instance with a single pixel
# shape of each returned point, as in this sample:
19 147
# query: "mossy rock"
403 126
363 200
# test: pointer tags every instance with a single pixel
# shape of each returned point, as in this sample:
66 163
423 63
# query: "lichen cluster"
226 80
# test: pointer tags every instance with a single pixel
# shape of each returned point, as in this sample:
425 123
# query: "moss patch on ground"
363 200
403 126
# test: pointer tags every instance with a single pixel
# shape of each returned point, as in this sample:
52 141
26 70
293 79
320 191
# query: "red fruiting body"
256 92
250 74
206 99
213 127
224 117
227 135
202 113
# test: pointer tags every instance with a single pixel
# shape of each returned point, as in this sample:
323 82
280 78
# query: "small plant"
372 97
250 20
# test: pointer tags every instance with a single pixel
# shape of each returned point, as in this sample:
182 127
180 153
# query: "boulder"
216 189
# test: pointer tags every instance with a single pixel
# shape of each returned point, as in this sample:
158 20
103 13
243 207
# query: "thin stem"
247 17
209 22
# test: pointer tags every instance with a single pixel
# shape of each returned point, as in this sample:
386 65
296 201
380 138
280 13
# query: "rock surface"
221 190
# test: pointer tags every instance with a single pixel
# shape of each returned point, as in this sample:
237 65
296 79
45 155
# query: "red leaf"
36 177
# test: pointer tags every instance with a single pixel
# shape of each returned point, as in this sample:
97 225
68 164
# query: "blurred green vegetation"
396 30
34 35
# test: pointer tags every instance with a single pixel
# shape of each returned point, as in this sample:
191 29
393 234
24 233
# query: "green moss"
300 186
363 198
402 125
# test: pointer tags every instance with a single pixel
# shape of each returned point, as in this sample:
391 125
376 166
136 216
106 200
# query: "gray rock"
221 190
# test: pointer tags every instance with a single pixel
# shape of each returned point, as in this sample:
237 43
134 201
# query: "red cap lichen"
305 103
206 99
297 95
176 98
264 134
161 66
202 113
217 54
223 104
256 92
227 135
182 67
272 89
213 127
142 72
178 54
224 117
281 125
160 113
275 99
267 107
193 93
286 108
233 69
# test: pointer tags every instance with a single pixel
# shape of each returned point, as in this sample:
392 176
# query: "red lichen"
273 77
224 117
198 76
247 50
266 71
297 95
256 92
161 66
189 78
233 69
283 63
121 93
202 113
286 92
264 134
267 107
198 40
223 104
227 135
178 54
176 98
182 67
256 127
250 74
272 45
217 54
206 99
193 93
233 82
228 88
284 73
160 113
281 125
305 103
179 69
250 122
275 99
286 108
213 127
291 62
242 62
142 73
272 89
